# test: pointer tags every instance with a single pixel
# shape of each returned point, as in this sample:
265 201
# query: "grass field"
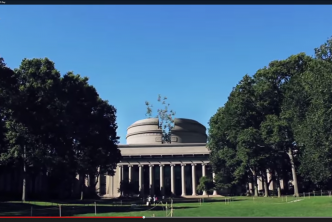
211 207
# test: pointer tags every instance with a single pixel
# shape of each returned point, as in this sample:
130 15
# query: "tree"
289 71
8 82
314 129
314 123
223 156
58 125
205 184
94 140
126 188
29 109
165 116
234 140
324 52
254 131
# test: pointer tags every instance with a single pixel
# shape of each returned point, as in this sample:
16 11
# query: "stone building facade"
161 169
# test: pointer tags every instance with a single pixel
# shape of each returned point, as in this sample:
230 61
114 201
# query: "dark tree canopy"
55 124
277 122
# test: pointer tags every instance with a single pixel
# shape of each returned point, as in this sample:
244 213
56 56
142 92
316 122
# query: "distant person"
149 201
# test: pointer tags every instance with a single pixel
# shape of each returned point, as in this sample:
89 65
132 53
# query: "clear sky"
194 55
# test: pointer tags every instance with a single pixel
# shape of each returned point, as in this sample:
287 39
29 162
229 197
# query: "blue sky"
194 55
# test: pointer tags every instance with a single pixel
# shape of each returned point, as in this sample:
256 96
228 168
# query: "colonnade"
172 177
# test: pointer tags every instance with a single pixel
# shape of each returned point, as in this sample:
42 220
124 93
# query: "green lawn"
216 207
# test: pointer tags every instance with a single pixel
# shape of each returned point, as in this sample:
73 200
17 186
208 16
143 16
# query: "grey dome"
188 131
147 131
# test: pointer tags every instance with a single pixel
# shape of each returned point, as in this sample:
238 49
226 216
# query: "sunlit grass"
239 207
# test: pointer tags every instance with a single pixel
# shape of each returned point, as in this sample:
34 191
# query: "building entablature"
180 156
157 163
164 149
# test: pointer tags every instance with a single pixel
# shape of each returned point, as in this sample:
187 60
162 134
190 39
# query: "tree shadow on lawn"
26 209
138 201
113 202
203 200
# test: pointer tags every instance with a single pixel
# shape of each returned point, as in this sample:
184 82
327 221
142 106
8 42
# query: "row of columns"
162 187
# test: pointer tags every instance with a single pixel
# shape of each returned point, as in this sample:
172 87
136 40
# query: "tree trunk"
264 180
278 187
271 173
72 187
255 183
285 181
33 192
24 175
82 181
92 184
296 187
250 185
277 182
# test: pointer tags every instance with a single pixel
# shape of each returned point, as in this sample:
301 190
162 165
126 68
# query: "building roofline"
160 145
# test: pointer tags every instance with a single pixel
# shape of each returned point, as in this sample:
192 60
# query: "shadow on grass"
74 207
130 201
26 209
203 200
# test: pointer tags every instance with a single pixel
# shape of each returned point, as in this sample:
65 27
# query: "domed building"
161 169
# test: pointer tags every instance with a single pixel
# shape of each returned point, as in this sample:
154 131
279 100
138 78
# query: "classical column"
162 188
282 185
107 185
129 173
214 191
250 187
120 177
122 173
260 183
98 185
183 179
204 174
140 179
193 176
172 180
272 185
151 180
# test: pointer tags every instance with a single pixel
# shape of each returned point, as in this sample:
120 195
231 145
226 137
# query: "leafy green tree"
223 156
56 124
314 131
93 141
8 83
205 184
27 124
165 116
314 127
324 52
234 138
256 126
291 69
